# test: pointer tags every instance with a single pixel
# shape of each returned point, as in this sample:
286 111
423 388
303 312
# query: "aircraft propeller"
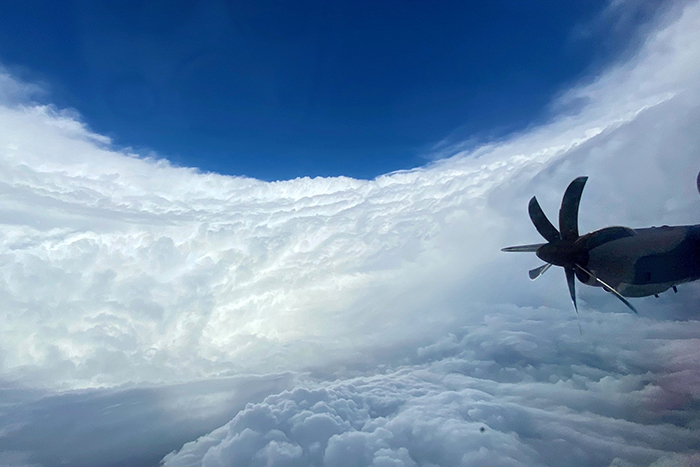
562 247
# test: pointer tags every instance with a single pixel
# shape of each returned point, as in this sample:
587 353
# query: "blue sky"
277 90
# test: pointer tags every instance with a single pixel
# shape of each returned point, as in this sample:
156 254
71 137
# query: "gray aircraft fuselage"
641 262
625 262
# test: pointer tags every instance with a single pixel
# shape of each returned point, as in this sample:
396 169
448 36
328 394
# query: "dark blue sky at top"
279 89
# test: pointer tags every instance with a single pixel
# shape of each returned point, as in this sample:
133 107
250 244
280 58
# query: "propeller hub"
563 253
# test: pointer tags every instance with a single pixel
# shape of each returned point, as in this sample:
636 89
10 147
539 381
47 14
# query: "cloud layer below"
492 395
400 327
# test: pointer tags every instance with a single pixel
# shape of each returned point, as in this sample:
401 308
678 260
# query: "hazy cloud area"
148 309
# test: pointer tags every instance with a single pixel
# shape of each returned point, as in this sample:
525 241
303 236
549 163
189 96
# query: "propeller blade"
542 224
608 288
523 248
698 182
571 280
568 213
537 272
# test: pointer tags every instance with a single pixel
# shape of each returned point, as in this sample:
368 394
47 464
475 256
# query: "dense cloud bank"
400 327
121 269
509 392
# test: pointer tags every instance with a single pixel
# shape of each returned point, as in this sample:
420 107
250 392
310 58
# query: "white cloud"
541 394
122 270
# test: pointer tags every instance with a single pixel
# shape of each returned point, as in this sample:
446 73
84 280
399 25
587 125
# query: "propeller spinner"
562 247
